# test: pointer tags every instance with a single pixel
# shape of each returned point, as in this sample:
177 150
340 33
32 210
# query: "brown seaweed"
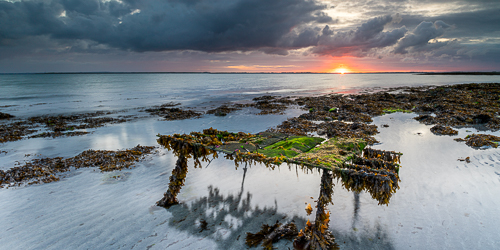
176 182
467 159
317 235
480 140
61 125
5 116
171 114
453 105
271 234
376 174
443 130
15 131
223 110
45 170
309 209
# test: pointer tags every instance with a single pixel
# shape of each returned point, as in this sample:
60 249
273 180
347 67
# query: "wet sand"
442 203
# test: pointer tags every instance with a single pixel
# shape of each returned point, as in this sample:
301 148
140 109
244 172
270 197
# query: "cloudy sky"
249 35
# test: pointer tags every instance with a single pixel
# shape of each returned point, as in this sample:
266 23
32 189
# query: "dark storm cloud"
369 35
154 25
444 30
470 17
21 19
475 23
421 36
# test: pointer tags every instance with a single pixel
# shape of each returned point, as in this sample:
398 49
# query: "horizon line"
208 72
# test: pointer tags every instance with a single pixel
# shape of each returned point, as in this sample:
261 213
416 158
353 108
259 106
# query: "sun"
341 69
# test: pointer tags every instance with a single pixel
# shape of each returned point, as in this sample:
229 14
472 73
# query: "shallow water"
442 203
35 94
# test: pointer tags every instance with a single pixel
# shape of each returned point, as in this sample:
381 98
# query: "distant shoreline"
494 73
298 73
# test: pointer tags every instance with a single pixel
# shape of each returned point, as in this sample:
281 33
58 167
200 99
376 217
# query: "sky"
249 36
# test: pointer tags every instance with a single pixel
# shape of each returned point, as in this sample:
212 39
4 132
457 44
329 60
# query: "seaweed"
61 125
389 156
453 105
301 126
359 168
480 140
467 159
295 126
291 146
223 110
266 104
309 209
316 235
44 170
271 234
380 168
176 182
394 110
334 151
171 114
443 130
271 104
15 131
5 116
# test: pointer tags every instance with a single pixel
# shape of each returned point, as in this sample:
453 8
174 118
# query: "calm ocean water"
442 203
36 94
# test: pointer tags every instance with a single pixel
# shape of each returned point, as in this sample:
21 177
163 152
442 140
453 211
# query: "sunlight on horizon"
341 69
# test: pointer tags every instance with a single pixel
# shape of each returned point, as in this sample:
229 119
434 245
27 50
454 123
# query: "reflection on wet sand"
226 218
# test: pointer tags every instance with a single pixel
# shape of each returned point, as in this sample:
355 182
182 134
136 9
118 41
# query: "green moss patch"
394 110
333 152
291 146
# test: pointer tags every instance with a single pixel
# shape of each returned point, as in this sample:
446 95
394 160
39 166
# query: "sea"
442 203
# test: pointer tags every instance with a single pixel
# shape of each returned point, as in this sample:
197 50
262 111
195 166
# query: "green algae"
394 110
333 152
291 146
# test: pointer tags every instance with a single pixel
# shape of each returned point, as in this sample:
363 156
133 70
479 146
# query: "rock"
443 130
5 116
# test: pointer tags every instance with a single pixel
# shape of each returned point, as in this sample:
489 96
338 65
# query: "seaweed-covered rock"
171 114
291 146
5 116
452 105
45 170
443 130
426 119
223 110
349 130
65 125
480 140
295 126
333 151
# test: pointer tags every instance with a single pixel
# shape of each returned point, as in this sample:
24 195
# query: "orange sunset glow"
342 69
